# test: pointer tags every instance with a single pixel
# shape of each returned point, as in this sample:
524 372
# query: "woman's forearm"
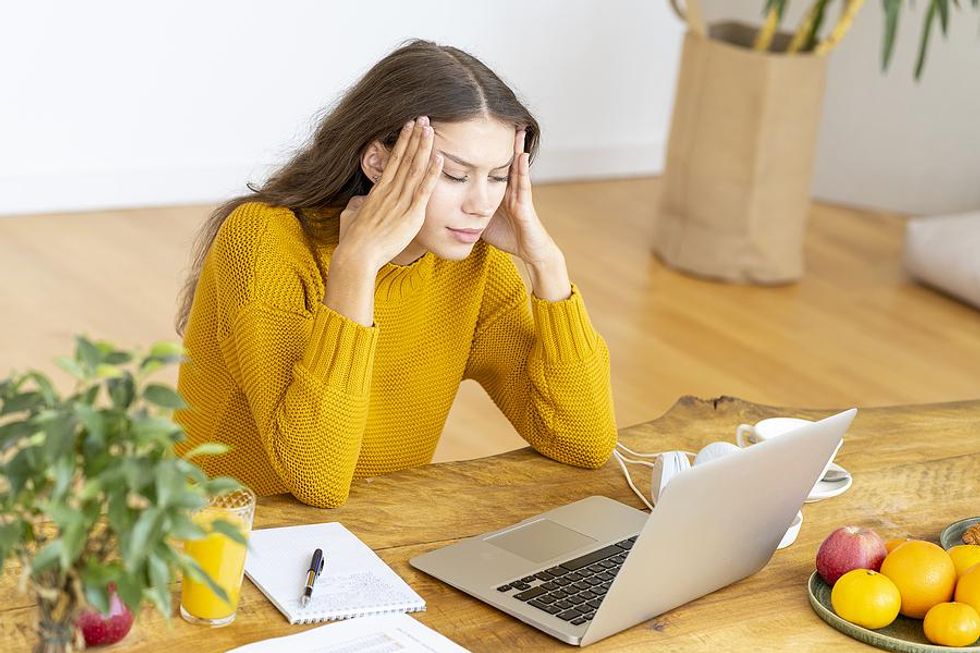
350 288
549 278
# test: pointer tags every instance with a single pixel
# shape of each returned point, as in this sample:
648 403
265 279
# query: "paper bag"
736 188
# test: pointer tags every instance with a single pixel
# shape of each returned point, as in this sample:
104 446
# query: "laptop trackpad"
540 540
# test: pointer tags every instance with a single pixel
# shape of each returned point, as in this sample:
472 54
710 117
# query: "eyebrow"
467 163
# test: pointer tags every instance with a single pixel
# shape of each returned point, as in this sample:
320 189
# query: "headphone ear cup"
666 466
715 450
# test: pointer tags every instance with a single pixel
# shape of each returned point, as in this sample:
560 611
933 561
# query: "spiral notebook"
354 580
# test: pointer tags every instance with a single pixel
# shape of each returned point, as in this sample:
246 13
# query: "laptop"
592 568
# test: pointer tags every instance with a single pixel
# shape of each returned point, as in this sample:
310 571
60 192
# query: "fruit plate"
903 634
953 534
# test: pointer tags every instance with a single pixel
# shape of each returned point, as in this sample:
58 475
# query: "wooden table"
915 470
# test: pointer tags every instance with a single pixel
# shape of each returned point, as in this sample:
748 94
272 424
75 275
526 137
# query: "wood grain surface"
915 471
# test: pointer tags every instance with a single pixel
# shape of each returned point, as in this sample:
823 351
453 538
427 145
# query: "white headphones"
668 464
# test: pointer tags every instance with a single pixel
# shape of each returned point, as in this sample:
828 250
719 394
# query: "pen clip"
320 566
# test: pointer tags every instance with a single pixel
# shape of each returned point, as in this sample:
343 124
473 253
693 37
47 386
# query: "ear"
374 157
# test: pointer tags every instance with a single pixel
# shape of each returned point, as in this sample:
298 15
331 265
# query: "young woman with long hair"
331 314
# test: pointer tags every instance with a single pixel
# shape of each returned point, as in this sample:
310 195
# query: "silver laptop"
592 568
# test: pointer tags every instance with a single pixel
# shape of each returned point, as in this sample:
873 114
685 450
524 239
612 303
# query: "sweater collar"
399 281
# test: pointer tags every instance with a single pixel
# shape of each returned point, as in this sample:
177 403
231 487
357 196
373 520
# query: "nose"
478 201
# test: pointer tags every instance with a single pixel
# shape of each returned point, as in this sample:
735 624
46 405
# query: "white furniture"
944 252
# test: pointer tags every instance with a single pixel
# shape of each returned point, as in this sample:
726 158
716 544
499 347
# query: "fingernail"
424 120
409 124
427 130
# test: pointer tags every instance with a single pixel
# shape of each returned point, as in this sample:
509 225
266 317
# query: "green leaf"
165 349
22 467
96 593
207 449
142 532
892 10
93 421
924 44
25 401
45 387
230 530
87 353
222 484
130 588
168 484
59 436
184 528
14 431
118 358
150 365
943 8
71 366
47 557
13 535
190 567
158 429
163 396
159 583
122 391
64 473
106 371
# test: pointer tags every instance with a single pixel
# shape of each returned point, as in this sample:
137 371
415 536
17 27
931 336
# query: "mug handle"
740 433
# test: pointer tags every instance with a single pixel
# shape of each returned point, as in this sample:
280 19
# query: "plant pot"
736 191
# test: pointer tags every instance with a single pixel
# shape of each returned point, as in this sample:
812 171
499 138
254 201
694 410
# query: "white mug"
767 429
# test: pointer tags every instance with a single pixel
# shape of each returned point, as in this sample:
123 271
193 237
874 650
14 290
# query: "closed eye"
465 179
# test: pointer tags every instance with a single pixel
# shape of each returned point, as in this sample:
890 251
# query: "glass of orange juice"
221 557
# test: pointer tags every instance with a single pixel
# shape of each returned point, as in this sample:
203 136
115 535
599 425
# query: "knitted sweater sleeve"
546 368
310 411
304 369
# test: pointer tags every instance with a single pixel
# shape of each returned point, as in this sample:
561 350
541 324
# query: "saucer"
824 490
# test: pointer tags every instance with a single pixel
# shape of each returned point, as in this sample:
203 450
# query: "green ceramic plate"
904 635
953 534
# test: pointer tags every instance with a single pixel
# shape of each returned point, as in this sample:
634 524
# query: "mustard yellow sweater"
310 400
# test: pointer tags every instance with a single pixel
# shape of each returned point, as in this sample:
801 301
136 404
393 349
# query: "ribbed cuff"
564 327
341 351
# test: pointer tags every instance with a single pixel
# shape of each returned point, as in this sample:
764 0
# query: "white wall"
110 103
117 104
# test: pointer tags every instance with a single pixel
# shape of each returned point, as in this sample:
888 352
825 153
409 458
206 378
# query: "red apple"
102 629
847 548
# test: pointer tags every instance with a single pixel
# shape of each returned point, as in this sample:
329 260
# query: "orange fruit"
968 588
924 574
952 624
891 544
866 598
964 556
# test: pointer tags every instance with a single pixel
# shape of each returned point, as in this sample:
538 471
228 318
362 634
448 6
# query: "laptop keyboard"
573 590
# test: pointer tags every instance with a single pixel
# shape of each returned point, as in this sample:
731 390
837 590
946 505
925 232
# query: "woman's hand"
516 229
377 227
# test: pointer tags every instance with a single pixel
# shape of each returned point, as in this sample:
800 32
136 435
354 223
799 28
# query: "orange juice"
223 559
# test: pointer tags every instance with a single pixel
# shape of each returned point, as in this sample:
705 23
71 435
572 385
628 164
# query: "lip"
466 235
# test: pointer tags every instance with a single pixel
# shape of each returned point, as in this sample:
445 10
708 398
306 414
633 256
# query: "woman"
331 315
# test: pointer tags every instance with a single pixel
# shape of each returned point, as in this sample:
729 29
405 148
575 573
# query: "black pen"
316 566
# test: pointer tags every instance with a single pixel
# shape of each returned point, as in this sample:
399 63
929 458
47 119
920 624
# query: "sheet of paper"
390 633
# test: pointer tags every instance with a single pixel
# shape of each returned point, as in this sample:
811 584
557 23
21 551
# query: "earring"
375 178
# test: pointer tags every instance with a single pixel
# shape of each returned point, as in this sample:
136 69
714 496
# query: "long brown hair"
418 78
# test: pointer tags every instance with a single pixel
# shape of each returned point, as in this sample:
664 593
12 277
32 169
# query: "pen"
316 566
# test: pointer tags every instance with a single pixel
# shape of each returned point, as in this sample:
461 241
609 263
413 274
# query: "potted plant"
93 499
736 189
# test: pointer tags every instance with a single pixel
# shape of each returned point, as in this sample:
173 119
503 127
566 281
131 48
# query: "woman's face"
477 156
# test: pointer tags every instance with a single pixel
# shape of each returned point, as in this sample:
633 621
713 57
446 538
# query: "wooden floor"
856 331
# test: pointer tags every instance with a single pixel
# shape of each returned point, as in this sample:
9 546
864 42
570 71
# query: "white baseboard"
66 191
